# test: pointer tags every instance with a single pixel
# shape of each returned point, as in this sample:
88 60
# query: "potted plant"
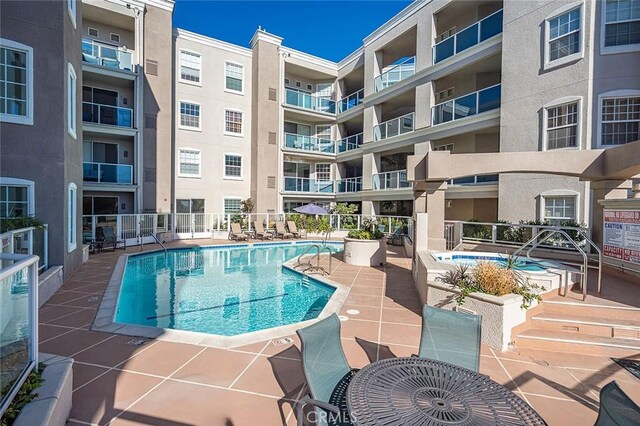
366 246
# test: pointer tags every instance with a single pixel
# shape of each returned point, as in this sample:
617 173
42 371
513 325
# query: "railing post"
494 233
389 228
30 243
138 219
45 249
339 222
359 217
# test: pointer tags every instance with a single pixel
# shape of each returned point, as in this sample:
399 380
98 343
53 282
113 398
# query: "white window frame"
610 50
189 175
72 217
21 119
445 147
224 166
557 103
224 199
179 64
72 7
31 194
624 93
549 64
560 193
237 92
315 172
325 126
72 101
192 128
224 122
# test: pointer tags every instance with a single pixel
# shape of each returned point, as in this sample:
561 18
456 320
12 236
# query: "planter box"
365 252
499 314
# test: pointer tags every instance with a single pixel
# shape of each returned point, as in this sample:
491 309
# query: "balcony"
353 184
391 180
106 56
468 37
107 114
395 74
394 127
309 144
350 143
309 102
306 185
107 173
351 101
466 106
475 180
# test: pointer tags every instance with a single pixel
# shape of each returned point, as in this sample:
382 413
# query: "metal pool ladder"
157 241
584 266
309 262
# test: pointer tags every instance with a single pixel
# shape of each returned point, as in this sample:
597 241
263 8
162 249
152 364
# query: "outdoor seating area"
281 231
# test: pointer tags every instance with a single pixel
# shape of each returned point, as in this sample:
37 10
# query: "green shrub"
24 396
11 223
365 235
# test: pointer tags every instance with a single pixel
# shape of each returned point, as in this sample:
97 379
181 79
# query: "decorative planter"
365 252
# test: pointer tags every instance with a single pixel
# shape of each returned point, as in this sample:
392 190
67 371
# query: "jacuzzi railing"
511 234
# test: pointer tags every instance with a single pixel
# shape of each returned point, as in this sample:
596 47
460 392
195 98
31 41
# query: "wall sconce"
449 203
123 206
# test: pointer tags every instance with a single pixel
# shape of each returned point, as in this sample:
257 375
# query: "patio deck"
119 381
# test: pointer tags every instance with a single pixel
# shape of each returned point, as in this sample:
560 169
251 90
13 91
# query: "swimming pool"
472 258
222 290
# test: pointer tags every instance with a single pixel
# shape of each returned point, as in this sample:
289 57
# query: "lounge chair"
236 233
260 232
616 408
395 239
451 336
294 230
326 370
281 232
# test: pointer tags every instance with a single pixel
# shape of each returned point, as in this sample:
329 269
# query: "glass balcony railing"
391 180
468 37
466 106
297 184
307 101
351 101
107 173
309 143
349 143
395 74
107 114
353 184
107 56
474 180
394 127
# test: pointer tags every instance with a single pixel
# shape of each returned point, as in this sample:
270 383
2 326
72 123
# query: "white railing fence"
27 241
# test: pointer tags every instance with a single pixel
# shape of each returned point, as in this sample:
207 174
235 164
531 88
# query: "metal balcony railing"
475 180
391 180
467 105
107 114
350 142
310 102
353 184
395 74
309 143
297 184
107 173
106 56
394 127
351 101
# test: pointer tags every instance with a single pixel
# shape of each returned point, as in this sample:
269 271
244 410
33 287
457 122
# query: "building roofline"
395 20
351 57
311 58
262 35
210 41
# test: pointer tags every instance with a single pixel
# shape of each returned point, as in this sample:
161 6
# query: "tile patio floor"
165 383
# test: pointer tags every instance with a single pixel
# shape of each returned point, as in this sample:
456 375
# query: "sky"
328 29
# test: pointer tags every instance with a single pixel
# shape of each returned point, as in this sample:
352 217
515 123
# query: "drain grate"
283 341
136 342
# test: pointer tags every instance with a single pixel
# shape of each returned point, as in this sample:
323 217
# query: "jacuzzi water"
225 290
471 259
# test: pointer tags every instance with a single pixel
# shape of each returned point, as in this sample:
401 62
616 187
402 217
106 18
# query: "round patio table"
417 391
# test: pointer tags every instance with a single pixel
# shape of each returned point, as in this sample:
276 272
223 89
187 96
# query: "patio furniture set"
106 239
291 231
439 386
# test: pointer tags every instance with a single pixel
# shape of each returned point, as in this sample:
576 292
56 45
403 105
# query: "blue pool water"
471 259
220 290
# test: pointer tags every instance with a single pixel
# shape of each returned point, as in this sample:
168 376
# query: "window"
72 205
620 120
232 205
563 37
16 82
233 122
14 201
448 147
562 126
190 67
233 166
99 205
323 132
234 76
189 115
71 7
72 96
621 23
559 208
114 37
193 205
323 171
93 32
189 162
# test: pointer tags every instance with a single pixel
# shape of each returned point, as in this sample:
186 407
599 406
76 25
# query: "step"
586 344
597 326
574 307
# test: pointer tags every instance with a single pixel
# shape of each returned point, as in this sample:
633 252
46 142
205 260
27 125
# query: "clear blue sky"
329 29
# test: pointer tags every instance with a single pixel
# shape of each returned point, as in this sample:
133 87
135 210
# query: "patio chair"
294 230
616 408
395 239
326 371
260 232
106 237
451 336
236 233
281 232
